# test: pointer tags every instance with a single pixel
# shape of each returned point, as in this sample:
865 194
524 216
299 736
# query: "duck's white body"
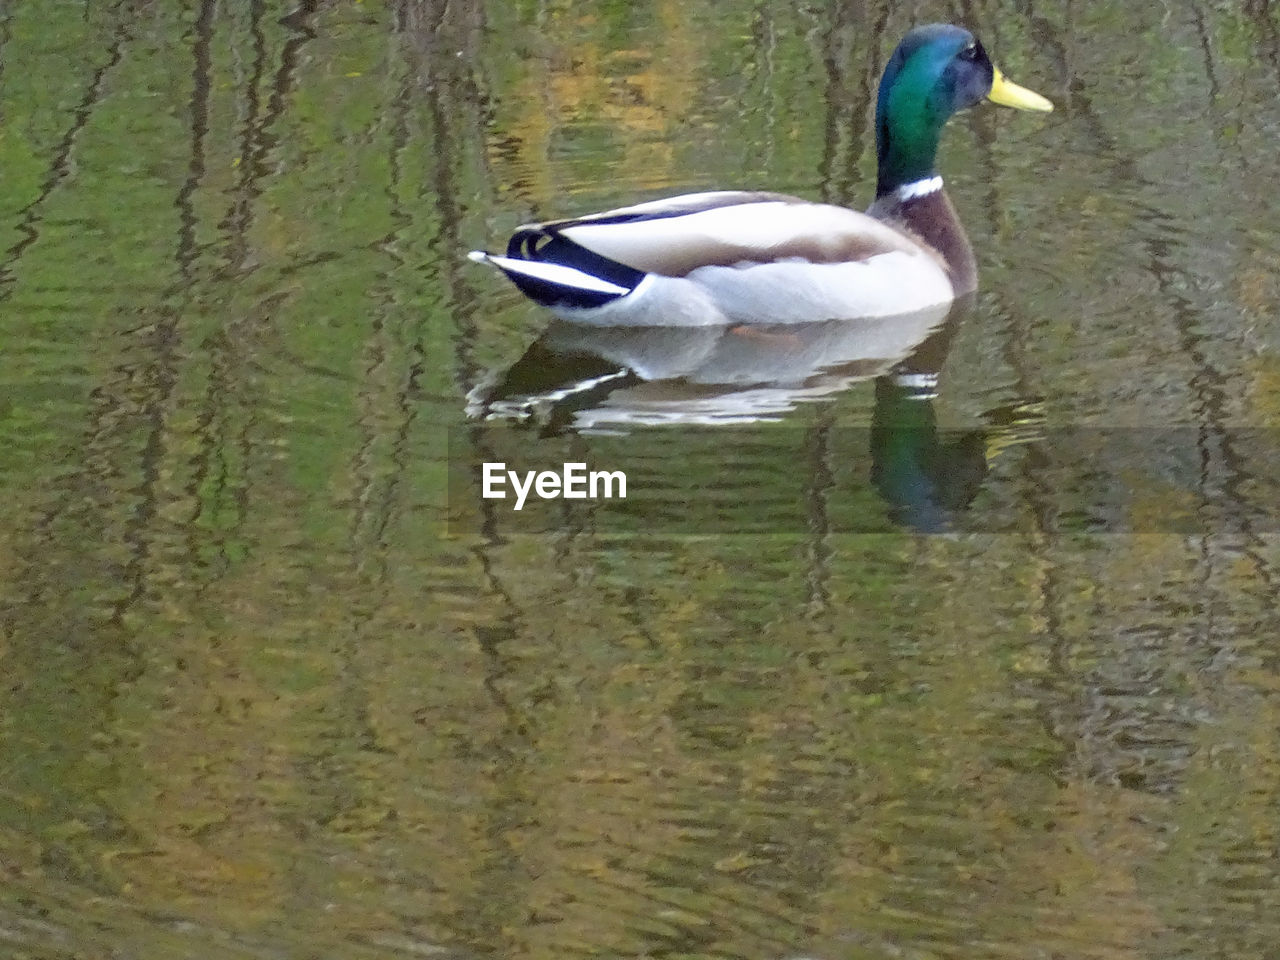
725 257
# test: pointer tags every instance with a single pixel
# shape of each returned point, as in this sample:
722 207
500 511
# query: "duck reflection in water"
579 378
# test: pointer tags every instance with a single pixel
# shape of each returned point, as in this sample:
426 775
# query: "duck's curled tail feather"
556 272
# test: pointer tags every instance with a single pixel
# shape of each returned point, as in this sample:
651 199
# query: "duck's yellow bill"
1009 94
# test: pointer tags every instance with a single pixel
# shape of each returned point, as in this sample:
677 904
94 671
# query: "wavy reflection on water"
274 685
612 380
600 376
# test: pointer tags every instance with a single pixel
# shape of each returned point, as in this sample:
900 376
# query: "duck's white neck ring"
918 188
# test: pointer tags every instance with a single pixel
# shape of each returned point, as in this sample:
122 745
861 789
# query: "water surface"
993 673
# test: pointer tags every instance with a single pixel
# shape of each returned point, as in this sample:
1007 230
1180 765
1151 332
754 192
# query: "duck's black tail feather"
555 271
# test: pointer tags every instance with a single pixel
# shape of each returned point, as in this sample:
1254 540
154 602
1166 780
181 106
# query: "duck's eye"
970 52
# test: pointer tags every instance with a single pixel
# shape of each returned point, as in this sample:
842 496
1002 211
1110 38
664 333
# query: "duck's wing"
726 228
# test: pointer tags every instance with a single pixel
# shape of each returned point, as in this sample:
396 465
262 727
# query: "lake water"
956 638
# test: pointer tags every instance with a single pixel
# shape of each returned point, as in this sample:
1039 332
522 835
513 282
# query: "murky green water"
994 673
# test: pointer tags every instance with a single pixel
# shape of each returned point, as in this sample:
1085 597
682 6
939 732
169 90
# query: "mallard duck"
734 257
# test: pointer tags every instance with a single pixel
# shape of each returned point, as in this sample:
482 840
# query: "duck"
737 258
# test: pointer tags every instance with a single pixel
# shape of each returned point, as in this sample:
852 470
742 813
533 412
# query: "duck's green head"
936 71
